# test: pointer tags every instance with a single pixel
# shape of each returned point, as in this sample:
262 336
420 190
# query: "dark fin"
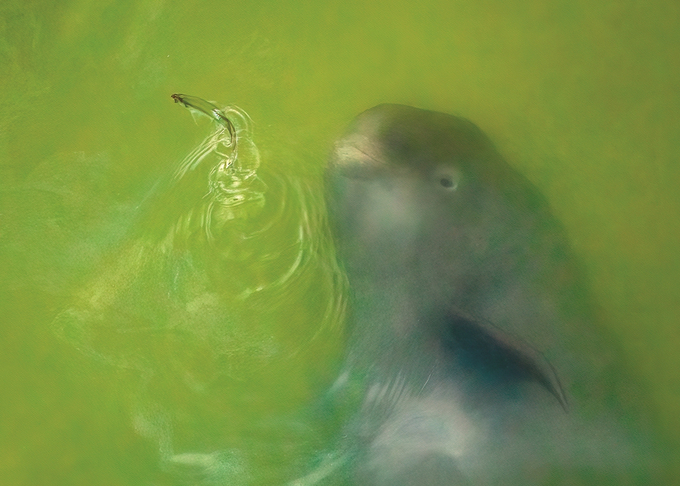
485 347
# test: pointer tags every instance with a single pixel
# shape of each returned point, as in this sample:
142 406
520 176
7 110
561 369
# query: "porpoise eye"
446 182
447 178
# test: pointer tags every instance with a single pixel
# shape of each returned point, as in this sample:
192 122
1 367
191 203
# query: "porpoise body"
472 338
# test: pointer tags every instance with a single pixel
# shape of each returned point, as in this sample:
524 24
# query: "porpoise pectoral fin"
483 346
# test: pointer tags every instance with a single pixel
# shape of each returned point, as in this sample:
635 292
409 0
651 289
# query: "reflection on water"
185 304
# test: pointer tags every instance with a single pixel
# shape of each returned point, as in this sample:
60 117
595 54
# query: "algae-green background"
581 96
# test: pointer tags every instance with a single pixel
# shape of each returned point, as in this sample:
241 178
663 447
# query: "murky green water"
129 346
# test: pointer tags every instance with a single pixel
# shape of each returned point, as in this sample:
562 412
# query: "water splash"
234 188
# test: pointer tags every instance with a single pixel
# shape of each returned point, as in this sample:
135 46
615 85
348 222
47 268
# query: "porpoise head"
428 191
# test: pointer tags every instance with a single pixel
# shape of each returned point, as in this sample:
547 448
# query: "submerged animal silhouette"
471 337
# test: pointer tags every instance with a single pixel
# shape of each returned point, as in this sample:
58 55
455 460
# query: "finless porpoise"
472 336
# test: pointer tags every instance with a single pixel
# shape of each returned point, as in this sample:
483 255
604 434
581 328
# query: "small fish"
207 108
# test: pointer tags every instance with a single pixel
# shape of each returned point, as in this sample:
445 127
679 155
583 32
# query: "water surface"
178 348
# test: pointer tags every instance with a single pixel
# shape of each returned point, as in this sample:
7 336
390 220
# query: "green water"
580 97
